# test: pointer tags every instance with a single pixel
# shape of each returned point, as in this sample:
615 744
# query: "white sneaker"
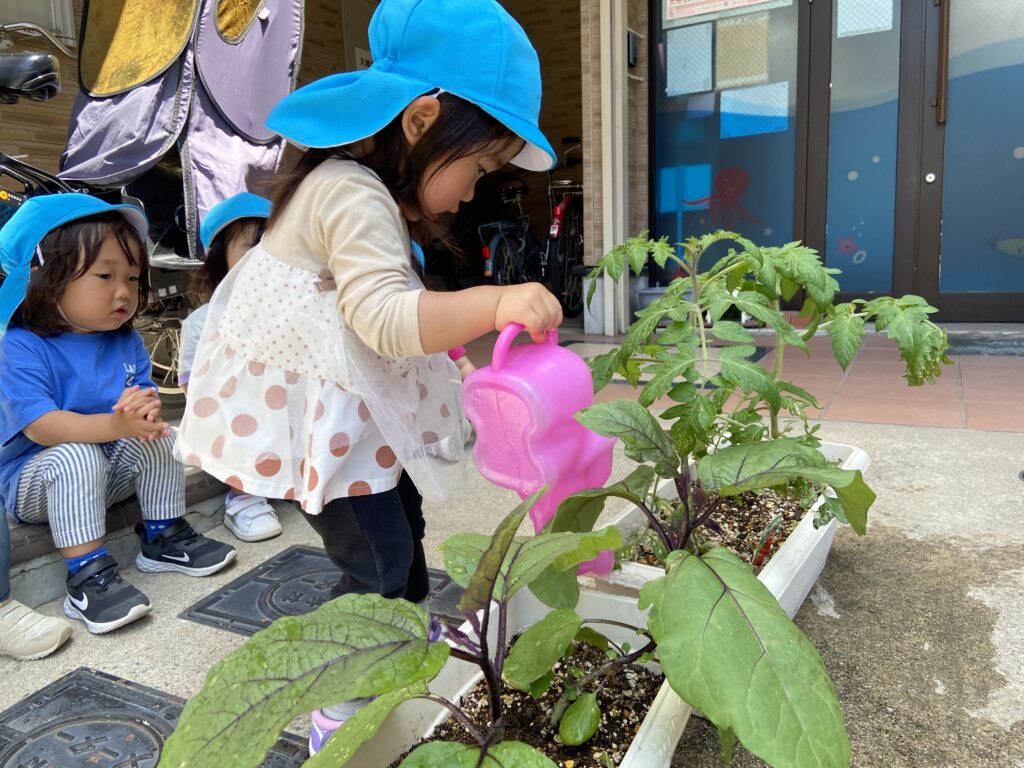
250 518
26 634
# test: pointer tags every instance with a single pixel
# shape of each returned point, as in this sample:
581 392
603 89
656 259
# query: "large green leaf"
770 463
757 306
357 645
580 721
556 589
559 551
662 251
728 649
643 438
922 344
538 648
528 556
727 330
846 330
505 754
580 511
481 584
801 266
668 371
361 727
603 367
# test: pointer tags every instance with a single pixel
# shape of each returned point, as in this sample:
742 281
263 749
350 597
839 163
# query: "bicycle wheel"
163 344
508 266
566 280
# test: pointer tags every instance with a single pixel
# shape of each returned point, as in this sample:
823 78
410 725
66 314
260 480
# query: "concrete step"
37 568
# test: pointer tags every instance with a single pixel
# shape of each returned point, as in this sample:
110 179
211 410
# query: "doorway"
884 133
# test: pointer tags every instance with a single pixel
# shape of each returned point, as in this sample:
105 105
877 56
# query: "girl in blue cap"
228 230
322 375
80 424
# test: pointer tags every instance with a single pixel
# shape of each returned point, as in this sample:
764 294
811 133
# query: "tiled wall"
636 131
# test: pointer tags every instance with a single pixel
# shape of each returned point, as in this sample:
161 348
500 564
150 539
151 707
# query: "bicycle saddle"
32 74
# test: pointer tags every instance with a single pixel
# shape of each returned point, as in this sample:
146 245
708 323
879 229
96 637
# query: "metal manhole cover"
89 719
293 582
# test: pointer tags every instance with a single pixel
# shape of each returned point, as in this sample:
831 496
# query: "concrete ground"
921 623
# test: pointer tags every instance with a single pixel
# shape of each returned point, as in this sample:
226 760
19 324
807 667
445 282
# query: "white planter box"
652 747
789 576
792 570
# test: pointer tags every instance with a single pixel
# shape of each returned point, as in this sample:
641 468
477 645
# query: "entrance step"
37 568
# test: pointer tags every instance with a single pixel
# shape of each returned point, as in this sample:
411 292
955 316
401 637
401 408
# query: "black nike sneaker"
99 597
179 548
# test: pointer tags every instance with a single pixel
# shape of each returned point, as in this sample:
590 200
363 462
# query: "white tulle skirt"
285 401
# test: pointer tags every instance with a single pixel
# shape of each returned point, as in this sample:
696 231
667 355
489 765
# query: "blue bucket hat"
36 218
244 205
472 49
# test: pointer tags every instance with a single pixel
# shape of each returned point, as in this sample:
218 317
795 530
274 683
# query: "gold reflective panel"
234 17
129 42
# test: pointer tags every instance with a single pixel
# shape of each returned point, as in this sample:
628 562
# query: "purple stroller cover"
212 103
267 57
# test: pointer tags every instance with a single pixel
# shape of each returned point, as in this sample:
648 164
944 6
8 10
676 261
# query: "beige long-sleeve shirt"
343 220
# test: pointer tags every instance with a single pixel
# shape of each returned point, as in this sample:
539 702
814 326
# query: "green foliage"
725 645
728 649
580 721
357 645
539 647
774 463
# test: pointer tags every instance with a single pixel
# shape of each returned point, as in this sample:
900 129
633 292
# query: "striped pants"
72 484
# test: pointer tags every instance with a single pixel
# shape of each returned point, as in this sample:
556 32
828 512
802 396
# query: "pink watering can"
522 406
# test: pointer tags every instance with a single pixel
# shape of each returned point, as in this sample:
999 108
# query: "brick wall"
554 30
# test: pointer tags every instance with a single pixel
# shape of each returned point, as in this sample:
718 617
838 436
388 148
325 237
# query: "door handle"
942 96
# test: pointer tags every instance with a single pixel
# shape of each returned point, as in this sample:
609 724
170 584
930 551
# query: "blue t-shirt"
80 372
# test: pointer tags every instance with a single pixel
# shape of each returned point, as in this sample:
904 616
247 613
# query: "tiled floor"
981 392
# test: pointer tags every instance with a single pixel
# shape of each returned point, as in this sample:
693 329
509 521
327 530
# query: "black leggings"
377 542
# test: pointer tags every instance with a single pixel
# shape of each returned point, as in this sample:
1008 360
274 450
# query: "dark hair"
206 279
63 248
460 129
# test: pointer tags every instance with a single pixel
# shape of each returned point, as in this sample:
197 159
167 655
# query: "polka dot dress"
286 402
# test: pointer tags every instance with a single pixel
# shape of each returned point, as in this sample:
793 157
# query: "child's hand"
137 414
530 304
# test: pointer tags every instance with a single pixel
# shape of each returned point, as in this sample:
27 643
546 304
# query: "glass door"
863 116
727 132
971 245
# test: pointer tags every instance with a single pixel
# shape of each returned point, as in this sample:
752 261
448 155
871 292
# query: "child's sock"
344 710
75 563
155 527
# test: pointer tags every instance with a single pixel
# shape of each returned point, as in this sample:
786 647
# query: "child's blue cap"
36 218
244 205
472 49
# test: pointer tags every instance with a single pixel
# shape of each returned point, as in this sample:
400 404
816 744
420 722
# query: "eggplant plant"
366 645
732 426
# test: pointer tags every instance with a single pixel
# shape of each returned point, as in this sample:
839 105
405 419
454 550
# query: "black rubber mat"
295 581
89 719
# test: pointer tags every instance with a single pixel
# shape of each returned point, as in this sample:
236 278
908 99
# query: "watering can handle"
504 342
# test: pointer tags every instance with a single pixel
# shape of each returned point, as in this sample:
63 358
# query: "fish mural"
1013 246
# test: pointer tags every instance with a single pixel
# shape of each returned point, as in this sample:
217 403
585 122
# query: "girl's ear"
418 116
